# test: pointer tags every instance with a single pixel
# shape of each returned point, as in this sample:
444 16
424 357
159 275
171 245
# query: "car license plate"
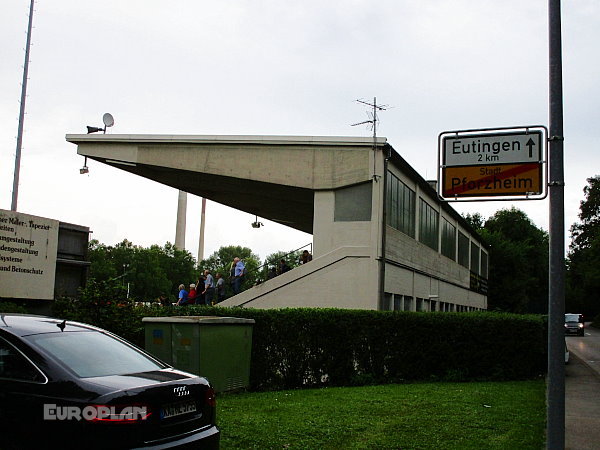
177 409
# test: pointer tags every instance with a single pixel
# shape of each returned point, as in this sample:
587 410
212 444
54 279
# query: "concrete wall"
405 250
342 278
330 235
320 164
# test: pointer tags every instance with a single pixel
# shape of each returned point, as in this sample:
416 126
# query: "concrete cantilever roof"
271 176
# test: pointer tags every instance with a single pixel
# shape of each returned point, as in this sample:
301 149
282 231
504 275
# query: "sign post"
555 417
502 162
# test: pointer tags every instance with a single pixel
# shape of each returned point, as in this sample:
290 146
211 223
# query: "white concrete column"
201 239
180 226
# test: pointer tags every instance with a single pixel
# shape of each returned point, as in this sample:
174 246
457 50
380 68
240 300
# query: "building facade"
382 239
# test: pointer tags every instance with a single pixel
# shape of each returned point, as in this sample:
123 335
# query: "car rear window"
94 354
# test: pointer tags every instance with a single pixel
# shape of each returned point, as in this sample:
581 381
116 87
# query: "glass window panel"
394 210
15 366
484 264
353 203
390 188
400 206
448 239
109 356
463 250
474 258
428 225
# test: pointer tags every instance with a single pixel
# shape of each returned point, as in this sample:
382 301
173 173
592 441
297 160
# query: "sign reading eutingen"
493 163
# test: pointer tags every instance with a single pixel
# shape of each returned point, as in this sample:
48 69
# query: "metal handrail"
265 265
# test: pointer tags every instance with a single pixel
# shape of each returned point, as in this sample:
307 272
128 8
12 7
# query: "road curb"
585 363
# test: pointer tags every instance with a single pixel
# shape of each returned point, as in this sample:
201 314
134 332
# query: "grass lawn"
501 415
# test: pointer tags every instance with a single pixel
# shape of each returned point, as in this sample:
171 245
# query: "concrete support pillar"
202 224
180 226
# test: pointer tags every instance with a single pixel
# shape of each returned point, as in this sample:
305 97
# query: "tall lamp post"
15 191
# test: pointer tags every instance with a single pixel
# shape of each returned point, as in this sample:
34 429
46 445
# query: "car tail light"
119 413
210 398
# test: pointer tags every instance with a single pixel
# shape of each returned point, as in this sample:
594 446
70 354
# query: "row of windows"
401 212
408 303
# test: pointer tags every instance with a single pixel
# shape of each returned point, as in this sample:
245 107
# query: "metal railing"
263 271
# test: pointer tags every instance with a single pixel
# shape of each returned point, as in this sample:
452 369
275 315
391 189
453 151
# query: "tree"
148 276
585 233
101 267
518 268
146 272
583 274
292 259
476 220
178 265
220 262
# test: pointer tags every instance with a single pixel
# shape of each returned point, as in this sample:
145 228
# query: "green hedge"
305 347
327 347
10 307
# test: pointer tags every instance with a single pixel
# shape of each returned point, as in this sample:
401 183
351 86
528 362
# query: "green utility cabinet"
217 348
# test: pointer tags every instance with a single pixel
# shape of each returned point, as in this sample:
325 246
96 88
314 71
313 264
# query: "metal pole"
555 422
374 122
382 298
15 191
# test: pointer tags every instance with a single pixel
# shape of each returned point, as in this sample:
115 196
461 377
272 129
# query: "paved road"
582 392
587 347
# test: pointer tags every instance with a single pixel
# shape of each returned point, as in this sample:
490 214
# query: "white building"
340 189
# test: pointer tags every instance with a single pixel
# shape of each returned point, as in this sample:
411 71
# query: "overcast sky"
282 68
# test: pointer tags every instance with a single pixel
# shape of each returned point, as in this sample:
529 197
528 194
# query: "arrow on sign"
530 144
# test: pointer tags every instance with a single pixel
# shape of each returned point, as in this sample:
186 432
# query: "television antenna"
372 122
373 119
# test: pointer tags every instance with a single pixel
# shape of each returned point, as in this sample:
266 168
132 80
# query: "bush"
105 305
310 347
9 307
306 347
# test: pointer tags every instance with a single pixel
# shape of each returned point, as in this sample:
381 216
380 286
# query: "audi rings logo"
181 391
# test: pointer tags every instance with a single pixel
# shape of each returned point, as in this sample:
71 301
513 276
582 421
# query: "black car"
69 385
574 324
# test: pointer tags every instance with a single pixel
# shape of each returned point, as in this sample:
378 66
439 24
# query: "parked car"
70 385
574 324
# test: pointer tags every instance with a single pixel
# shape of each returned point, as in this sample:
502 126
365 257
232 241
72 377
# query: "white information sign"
505 162
28 248
500 148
